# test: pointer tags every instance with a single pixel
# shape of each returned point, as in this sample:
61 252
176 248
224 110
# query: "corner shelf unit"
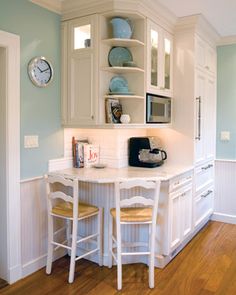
134 105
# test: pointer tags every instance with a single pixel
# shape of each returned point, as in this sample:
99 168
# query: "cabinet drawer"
180 181
204 175
203 205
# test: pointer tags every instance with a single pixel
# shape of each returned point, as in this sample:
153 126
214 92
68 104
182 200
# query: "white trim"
38 263
52 5
31 179
61 163
224 218
226 160
12 44
229 40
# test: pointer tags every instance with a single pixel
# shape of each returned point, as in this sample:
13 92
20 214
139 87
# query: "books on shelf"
113 110
84 154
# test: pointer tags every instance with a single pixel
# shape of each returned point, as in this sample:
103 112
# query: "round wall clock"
40 71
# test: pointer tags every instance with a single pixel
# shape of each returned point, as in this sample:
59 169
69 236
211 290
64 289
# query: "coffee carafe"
144 152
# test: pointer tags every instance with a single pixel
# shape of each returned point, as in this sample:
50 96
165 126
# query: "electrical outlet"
31 141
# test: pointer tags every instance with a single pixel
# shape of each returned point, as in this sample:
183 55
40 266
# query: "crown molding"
229 40
147 8
52 5
200 25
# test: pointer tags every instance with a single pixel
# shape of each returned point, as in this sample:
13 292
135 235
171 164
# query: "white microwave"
158 109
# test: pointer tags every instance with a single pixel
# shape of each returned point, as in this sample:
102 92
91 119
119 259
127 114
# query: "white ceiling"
221 14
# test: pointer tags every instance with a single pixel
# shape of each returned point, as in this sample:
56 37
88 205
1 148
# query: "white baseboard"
223 218
15 274
39 263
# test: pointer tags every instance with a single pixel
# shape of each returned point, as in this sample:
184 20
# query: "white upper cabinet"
159 60
80 59
205 55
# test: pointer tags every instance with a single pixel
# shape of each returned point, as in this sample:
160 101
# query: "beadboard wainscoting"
225 191
34 225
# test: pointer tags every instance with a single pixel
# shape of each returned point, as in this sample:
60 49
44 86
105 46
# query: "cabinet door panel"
81 89
186 207
199 116
210 118
200 52
203 206
175 221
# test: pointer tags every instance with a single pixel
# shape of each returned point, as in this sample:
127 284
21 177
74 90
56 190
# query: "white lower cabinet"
180 216
203 205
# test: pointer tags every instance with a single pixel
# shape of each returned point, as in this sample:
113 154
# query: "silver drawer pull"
206 194
207 167
176 183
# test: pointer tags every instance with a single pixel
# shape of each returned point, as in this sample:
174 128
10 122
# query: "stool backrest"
152 185
55 194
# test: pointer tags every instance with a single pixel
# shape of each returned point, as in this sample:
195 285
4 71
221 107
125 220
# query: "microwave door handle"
198 137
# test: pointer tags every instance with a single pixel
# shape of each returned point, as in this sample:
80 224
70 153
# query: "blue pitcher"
122 28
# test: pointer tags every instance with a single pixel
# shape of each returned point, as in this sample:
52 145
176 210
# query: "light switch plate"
225 136
31 141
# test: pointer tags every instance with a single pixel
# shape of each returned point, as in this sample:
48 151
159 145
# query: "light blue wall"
39 32
226 101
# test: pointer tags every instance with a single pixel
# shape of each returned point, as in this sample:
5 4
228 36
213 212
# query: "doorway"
3 205
10 242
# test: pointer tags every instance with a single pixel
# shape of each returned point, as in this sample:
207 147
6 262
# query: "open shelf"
120 70
123 42
121 96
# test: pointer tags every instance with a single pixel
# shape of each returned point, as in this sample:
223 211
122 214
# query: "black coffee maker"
144 153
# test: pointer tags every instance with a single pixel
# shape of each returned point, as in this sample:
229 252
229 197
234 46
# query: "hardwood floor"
3 283
206 266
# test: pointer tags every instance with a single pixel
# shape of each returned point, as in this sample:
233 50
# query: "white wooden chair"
66 206
124 214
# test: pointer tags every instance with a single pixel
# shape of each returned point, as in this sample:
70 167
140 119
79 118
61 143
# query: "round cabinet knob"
125 119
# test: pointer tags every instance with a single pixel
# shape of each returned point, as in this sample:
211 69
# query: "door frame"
11 43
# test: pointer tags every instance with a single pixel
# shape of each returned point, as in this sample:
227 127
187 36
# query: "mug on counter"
125 118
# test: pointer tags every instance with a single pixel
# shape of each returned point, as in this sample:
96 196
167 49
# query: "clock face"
40 71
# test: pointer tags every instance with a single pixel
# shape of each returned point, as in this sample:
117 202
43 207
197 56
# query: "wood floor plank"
206 266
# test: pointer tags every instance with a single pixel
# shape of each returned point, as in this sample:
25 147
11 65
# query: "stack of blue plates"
119 85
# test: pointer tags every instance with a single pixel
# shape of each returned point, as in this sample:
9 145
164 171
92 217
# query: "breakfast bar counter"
110 175
96 187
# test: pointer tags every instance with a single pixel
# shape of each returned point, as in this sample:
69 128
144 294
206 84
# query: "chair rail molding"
11 97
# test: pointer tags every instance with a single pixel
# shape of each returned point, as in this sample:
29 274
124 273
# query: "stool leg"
110 232
151 263
73 251
68 234
119 262
100 236
50 246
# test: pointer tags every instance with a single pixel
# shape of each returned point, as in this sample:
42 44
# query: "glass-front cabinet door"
154 57
159 60
82 68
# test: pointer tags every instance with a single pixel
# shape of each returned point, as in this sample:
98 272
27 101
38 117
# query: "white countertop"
110 175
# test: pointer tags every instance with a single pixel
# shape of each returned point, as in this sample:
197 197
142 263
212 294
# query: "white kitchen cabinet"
205 116
195 89
180 214
203 205
205 56
204 175
80 71
159 60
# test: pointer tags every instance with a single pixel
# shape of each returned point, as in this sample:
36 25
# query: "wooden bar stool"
63 203
124 214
